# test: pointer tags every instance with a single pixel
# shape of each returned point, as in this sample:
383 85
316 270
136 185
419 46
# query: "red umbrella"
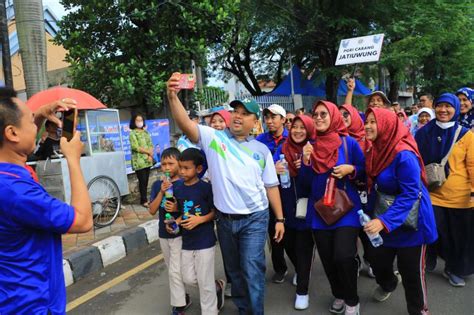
83 99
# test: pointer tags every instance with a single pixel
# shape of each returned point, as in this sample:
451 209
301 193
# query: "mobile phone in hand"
187 81
69 120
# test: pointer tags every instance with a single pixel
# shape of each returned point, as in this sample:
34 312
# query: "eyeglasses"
289 120
345 114
320 114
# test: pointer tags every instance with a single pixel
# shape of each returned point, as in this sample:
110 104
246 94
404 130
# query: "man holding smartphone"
32 221
244 183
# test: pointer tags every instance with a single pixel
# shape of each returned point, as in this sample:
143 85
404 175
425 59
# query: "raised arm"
189 128
350 91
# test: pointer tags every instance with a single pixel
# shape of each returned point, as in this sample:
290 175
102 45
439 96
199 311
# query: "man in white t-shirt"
244 182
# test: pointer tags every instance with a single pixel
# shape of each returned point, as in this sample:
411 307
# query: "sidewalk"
129 216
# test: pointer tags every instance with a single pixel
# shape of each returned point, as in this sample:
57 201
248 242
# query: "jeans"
242 243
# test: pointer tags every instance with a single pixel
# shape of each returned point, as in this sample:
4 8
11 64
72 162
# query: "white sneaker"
352 310
295 280
301 302
228 290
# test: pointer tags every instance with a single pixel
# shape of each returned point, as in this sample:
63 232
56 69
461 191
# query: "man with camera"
32 221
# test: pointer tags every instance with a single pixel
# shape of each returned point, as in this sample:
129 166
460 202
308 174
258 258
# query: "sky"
56 7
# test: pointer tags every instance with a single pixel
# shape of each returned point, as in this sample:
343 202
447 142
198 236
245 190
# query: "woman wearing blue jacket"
336 243
394 167
298 241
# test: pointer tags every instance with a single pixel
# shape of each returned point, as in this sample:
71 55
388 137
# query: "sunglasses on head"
320 114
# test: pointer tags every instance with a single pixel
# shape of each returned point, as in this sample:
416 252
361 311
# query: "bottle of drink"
285 180
375 239
172 223
330 192
169 191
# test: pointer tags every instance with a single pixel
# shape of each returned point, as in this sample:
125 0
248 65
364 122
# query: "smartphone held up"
69 120
187 81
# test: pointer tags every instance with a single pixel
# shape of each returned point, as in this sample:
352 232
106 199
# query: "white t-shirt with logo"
240 171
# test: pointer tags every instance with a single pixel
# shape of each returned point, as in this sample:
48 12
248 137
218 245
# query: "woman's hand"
297 163
280 168
351 84
373 226
342 170
307 151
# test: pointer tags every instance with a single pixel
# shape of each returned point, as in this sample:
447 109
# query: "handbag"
343 204
384 201
435 172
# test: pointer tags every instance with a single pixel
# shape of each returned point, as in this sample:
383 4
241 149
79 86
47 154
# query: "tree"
426 44
124 51
425 41
32 41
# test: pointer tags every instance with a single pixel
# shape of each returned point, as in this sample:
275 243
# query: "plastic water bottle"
172 223
169 191
285 177
375 239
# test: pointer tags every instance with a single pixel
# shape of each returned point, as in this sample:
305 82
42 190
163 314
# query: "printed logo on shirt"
189 207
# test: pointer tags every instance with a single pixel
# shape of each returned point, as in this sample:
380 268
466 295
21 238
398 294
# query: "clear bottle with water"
171 222
375 239
285 180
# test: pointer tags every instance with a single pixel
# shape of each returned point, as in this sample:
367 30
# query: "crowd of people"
418 162
305 184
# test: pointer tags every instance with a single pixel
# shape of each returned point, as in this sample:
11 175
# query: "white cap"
275 109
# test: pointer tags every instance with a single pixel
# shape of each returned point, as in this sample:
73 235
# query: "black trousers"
277 249
411 265
143 176
299 247
337 249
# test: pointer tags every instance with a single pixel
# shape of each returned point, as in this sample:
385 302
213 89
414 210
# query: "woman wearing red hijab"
220 120
354 124
393 166
298 239
336 243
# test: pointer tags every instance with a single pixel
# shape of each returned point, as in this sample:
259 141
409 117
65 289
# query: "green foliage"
426 42
124 51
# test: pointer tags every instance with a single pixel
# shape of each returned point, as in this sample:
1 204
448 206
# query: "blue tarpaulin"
360 89
301 85
304 86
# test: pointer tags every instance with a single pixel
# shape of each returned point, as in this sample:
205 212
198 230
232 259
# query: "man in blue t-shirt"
275 117
32 221
195 203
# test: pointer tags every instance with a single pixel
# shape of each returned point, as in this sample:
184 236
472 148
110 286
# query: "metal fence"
212 98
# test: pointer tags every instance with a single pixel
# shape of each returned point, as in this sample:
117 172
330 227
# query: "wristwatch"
282 220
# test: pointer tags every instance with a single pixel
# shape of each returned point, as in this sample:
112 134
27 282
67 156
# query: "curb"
99 255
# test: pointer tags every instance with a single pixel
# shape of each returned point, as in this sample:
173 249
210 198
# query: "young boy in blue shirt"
195 203
170 243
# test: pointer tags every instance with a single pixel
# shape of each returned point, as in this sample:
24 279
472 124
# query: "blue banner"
159 130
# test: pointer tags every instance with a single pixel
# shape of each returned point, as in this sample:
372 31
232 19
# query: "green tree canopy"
124 51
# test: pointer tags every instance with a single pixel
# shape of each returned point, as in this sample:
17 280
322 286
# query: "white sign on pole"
359 49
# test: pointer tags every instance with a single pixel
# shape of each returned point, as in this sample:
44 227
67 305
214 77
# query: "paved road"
146 292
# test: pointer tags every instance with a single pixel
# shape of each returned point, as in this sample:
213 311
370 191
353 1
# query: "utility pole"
5 42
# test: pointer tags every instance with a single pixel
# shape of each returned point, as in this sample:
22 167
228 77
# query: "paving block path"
129 216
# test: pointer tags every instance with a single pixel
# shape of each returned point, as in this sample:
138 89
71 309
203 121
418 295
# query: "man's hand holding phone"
72 149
